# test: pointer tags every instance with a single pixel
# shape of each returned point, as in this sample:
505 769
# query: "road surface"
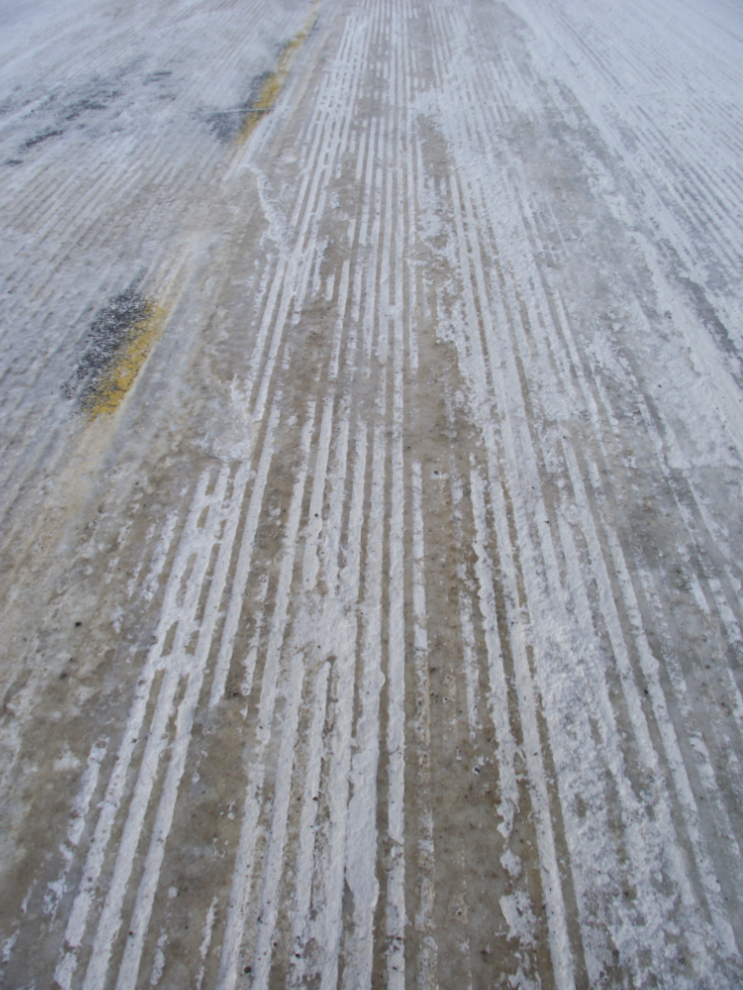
372 442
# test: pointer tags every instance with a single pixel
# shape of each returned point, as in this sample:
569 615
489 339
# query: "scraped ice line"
245 555
110 918
423 195
135 581
667 830
424 917
220 673
331 544
469 655
377 162
290 272
358 60
353 67
244 862
677 154
673 757
207 932
474 369
499 385
720 601
385 267
499 689
179 749
331 860
469 649
341 317
288 275
251 655
303 872
582 500
368 143
661 717
396 916
644 848
333 619
360 158
702 518
412 180
369 129
311 562
717 794
78 917
320 250
295 286
273 859
316 626
361 843
551 877
76 825
697 519
396 912
335 102
372 265
402 118
330 918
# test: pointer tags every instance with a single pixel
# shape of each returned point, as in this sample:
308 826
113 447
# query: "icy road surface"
372 442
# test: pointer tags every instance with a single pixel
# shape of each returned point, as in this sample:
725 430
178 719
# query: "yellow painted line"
272 86
112 386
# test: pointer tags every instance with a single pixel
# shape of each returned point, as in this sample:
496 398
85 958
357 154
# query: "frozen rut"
372 427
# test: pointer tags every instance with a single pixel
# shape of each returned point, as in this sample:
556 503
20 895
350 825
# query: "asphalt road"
371 416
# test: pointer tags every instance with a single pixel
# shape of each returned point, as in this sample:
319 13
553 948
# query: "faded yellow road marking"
112 385
272 86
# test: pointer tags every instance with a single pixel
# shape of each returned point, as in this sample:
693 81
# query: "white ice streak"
170 612
244 558
315 628
361 829
483 208
473 364
244 863
207 931
76 826
424 917
186 714
177 666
